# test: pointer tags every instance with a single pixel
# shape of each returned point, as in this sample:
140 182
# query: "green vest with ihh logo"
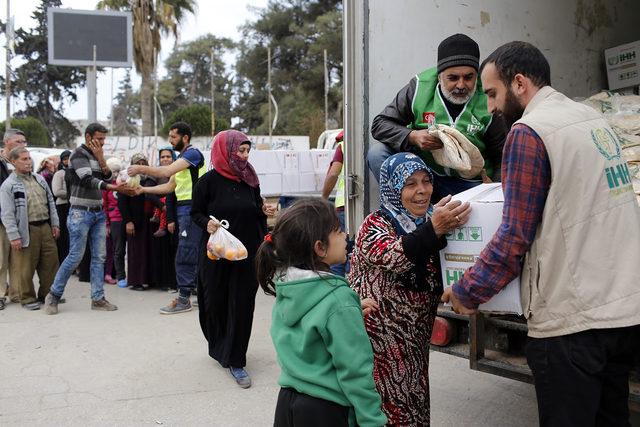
429 108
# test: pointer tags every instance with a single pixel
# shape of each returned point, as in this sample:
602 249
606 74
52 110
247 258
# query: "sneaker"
2 303
60 301
241 376
32 306
137 288
103 305
160 233
176 306
51 304
122 283
110 280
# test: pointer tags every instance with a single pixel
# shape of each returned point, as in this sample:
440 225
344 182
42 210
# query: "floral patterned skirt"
400 333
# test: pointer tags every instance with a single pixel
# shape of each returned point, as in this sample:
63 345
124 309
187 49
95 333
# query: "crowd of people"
54 221
352 338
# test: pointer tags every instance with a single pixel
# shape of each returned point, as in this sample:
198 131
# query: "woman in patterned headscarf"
395 262
227 289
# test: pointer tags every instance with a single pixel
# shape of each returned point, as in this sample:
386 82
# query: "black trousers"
298 409
582 379
118 240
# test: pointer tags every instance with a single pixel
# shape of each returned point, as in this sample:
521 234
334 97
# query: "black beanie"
458 50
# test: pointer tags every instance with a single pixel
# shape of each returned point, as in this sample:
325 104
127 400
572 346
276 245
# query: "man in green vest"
183 175
449 94
335 176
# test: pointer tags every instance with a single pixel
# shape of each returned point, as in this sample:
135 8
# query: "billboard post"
92 39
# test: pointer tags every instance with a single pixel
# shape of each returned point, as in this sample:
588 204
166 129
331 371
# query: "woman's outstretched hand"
369 306
269 209
449 214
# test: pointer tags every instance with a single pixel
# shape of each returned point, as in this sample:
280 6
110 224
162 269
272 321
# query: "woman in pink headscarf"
227 289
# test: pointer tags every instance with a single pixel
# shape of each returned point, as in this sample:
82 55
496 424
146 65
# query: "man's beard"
512 111
457 96
179 146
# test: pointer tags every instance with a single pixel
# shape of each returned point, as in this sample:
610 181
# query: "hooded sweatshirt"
322 347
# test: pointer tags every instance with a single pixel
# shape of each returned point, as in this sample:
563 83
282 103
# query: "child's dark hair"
293 238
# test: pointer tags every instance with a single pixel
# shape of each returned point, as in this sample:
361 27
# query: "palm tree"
152 19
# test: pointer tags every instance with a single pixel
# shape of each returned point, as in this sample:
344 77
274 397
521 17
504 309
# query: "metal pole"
213 102
92 89
111 123
269 89
9 34
326 93
155 98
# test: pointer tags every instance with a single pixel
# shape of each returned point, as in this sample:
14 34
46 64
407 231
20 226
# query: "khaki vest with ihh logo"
583 269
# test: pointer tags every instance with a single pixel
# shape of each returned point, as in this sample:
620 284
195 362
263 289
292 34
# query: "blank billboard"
73 33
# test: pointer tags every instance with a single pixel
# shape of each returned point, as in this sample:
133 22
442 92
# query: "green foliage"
45 88
151 20
126 109
188 79
198 116
297 32
34 131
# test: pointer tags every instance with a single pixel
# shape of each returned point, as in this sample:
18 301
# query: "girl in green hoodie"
317 323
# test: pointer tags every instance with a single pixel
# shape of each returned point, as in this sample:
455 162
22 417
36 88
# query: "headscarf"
138 157
64 155
114 164
169 149
394 173
225 160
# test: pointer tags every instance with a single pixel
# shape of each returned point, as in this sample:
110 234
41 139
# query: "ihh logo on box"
465 234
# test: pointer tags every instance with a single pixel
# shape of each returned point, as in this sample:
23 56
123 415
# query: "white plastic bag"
225 245
132 181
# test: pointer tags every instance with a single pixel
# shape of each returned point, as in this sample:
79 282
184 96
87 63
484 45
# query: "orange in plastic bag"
224 245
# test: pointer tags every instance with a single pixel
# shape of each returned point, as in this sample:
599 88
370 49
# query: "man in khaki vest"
571 229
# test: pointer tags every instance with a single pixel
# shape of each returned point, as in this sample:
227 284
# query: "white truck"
386 43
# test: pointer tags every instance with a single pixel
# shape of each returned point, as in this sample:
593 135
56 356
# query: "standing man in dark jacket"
13 138
449 94
89 174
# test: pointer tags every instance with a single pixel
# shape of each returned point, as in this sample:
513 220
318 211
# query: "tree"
151 20
198 117
188 79
126 109
33 129
45 87
297 31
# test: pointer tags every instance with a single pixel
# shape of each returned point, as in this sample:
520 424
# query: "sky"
219 17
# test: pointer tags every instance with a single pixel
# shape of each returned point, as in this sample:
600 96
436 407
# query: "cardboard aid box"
464 244
623 65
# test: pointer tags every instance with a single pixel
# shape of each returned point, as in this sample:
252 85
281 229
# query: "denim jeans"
442 185
84 226
187 254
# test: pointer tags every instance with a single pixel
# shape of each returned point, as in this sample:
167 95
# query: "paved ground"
136 367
